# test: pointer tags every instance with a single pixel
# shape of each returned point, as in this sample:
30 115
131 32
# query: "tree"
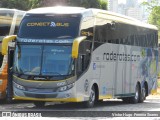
20 4
154 9
34 4
30 4
103 5
79 3
15 4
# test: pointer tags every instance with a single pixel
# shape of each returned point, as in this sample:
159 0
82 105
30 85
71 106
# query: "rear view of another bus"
9 22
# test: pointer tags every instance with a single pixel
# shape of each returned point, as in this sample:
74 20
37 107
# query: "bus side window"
156 42
136 41
81 63
132 40
84 56
87 28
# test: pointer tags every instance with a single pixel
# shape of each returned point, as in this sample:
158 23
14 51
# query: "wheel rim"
143 93
92 97
137 94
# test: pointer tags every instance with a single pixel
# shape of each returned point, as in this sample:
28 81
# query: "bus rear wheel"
39 104
92 98
142 95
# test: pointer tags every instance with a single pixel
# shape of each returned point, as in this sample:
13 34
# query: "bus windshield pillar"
5 42
75 47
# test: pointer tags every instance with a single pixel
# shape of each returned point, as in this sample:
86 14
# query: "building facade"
134 12
113 5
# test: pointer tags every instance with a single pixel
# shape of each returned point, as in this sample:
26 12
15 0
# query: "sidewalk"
155 96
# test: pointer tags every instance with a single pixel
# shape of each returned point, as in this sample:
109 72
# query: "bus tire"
39 104
142 95
136 97
92 98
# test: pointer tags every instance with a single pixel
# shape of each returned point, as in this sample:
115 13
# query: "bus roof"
95 12
56 10
10 10
123 19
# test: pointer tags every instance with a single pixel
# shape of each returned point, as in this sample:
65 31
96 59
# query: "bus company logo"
53 24
48 24
59 24
86 85
43 41
94 66
113 56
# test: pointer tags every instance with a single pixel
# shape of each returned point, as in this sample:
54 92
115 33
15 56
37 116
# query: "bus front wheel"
136 97
92 98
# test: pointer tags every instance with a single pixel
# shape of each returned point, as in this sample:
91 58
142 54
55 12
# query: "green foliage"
15 4
154 9
34 4
30 4
79 3
103 5
154 17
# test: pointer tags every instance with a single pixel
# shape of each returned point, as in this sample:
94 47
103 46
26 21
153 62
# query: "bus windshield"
50 27
43 60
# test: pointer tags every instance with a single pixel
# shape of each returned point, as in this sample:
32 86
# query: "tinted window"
49 27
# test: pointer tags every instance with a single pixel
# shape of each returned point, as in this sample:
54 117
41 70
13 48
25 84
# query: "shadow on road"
72 106
4 102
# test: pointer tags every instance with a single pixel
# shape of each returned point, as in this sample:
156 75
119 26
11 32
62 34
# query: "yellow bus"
9 22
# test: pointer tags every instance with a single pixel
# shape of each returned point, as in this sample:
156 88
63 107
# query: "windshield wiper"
61 37
30 72
54 73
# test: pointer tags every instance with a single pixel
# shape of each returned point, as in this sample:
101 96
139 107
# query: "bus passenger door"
10 65
84 57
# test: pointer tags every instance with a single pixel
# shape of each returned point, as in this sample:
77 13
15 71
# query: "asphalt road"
107 107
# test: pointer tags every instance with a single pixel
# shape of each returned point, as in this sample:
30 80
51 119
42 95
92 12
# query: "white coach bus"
69 54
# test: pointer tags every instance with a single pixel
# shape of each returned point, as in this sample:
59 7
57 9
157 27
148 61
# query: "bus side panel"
122 66
107 71
107 79
87 79
151 64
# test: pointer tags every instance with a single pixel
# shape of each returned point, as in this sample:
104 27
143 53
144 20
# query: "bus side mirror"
5 42
75 46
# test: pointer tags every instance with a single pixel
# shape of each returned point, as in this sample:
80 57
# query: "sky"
124 1
121 1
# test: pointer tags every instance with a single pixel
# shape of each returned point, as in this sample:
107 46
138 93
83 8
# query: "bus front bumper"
65 96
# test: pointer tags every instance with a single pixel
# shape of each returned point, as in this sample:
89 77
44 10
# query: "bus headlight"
18 86
64 88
